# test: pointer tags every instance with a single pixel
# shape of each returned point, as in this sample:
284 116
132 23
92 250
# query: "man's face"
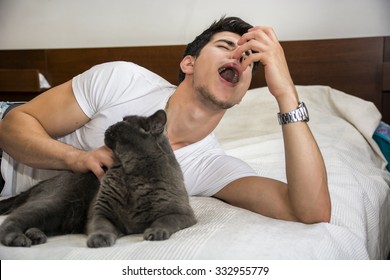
218 77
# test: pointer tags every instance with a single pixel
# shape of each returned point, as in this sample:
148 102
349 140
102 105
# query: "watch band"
298 115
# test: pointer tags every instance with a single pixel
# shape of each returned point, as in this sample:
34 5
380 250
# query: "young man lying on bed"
63 128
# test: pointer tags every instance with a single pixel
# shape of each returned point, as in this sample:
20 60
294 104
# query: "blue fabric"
382 138
6 106
3 107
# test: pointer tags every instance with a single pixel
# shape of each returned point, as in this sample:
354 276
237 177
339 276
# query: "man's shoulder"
126 69
117 65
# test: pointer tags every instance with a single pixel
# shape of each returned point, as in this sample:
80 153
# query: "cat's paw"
16 240
156 234
36 236
97 240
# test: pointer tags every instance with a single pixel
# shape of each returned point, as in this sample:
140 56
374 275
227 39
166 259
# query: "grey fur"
143 192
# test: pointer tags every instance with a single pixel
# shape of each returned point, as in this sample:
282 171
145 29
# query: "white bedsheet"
359 188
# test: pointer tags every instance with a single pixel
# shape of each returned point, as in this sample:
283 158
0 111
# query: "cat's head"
136 134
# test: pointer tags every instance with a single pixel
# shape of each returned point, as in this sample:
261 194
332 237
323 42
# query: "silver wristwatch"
300 114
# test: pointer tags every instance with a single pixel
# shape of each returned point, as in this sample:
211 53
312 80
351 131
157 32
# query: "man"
62 129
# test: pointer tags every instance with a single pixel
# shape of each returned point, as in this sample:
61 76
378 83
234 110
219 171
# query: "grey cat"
143 192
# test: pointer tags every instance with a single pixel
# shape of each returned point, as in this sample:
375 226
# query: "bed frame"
358 66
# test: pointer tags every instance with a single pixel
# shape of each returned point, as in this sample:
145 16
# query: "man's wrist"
71 158
300 114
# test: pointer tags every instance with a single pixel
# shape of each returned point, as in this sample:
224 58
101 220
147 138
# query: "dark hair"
231 24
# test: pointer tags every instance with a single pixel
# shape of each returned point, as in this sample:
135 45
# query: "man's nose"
245 55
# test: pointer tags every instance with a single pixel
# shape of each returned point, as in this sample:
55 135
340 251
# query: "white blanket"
359 188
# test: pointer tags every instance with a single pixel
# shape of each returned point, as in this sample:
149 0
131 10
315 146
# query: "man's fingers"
106 156
98 171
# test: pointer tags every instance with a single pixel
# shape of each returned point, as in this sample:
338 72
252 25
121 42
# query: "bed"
345 85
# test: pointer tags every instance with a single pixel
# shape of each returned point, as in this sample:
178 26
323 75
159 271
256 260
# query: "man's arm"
27 133
305 197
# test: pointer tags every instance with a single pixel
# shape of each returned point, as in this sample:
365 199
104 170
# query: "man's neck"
189 121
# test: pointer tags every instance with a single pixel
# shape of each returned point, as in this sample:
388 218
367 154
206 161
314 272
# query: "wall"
30 24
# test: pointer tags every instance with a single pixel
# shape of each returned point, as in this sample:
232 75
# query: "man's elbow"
319 215
320 211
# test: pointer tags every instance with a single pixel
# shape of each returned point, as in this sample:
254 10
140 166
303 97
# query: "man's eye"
223 47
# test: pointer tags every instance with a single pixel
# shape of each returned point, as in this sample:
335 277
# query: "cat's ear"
157 122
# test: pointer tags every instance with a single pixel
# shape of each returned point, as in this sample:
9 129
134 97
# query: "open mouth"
229 74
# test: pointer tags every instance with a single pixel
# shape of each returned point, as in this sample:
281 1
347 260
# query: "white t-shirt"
108 92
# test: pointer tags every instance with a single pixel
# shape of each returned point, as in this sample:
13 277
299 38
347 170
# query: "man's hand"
264 47
94 160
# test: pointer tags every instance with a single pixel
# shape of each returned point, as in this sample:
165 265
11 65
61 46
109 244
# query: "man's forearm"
22 137
306 173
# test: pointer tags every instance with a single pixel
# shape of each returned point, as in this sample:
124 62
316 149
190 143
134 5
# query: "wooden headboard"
358 66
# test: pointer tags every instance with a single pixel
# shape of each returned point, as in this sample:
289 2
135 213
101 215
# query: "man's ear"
187 65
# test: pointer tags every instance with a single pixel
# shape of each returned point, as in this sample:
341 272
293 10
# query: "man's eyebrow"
228 42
